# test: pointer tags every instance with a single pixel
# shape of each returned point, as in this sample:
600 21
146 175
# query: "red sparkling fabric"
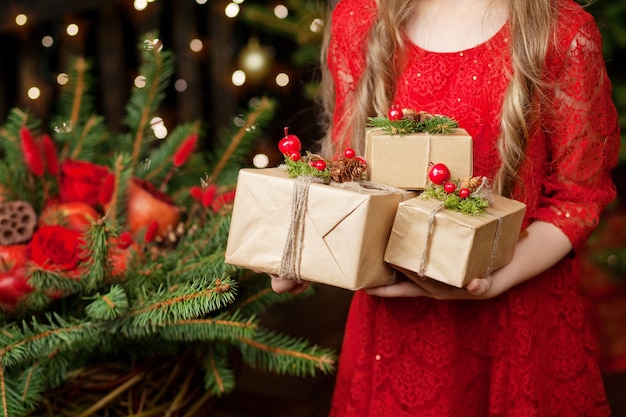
529 351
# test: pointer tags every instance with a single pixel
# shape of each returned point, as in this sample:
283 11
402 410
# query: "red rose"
56 247
81 181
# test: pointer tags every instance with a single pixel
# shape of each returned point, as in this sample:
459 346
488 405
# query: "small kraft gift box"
313 229
400 149
453 239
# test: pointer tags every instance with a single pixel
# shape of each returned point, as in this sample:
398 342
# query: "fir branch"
116 212
20 345
224 327
219 377
97 240
109 306
186 301
158 66
81 66
248 131
54 281
286 355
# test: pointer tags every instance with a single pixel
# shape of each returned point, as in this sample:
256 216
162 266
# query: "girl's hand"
288 285
540 247
478 288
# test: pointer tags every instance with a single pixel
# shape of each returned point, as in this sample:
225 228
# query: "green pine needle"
401 127
471 206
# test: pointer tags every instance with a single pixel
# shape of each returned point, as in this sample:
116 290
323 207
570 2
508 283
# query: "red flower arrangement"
78 194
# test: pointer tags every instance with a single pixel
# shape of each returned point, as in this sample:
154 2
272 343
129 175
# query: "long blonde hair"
531 24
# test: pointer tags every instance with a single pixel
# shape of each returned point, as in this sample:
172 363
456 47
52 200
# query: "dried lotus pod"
17 222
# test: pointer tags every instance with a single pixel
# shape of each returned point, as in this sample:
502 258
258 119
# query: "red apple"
13 281
146 204
75 215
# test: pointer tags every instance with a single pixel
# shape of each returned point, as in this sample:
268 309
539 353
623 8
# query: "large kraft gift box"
428 240
344 235
402 161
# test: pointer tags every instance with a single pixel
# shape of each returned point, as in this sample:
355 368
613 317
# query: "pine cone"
471 183
346 169
17 222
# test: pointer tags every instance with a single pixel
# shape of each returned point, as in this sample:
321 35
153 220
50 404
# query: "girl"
526 79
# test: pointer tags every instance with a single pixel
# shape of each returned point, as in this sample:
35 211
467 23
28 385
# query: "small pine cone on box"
471 183
346 169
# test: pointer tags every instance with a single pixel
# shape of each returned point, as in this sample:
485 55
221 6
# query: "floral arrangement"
112 257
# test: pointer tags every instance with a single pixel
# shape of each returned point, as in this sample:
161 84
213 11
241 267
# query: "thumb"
479 286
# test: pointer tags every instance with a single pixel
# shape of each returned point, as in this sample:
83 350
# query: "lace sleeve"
583 140
351 20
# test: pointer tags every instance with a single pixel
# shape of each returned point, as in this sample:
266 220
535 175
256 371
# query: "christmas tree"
112 269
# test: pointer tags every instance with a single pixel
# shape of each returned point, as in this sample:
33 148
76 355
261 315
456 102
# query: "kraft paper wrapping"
344 236
403 161
452 247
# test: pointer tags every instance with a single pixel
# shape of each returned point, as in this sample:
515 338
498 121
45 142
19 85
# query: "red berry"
294 156
395 113
349 153
320 164
449 187
439 174
464 192
289 143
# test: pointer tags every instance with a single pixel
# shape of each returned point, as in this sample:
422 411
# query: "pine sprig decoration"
411 122
474 203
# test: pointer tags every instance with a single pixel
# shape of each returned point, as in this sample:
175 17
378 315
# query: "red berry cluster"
439 174
290 146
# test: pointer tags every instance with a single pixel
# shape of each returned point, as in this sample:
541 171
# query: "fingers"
288 285
401 289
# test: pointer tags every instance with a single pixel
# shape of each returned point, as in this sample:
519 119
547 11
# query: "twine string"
292 252
289 267
429 233
496 239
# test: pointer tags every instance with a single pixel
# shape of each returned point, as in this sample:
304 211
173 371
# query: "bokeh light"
34 93
238 78
72 29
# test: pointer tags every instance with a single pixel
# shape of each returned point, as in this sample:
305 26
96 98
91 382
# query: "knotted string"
431 224
292 252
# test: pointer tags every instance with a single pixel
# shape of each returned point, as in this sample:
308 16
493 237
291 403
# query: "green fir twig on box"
408 125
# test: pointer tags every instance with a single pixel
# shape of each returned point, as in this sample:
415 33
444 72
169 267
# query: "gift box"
428 240
337 236
402 161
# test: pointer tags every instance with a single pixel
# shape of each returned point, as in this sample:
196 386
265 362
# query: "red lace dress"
527 352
